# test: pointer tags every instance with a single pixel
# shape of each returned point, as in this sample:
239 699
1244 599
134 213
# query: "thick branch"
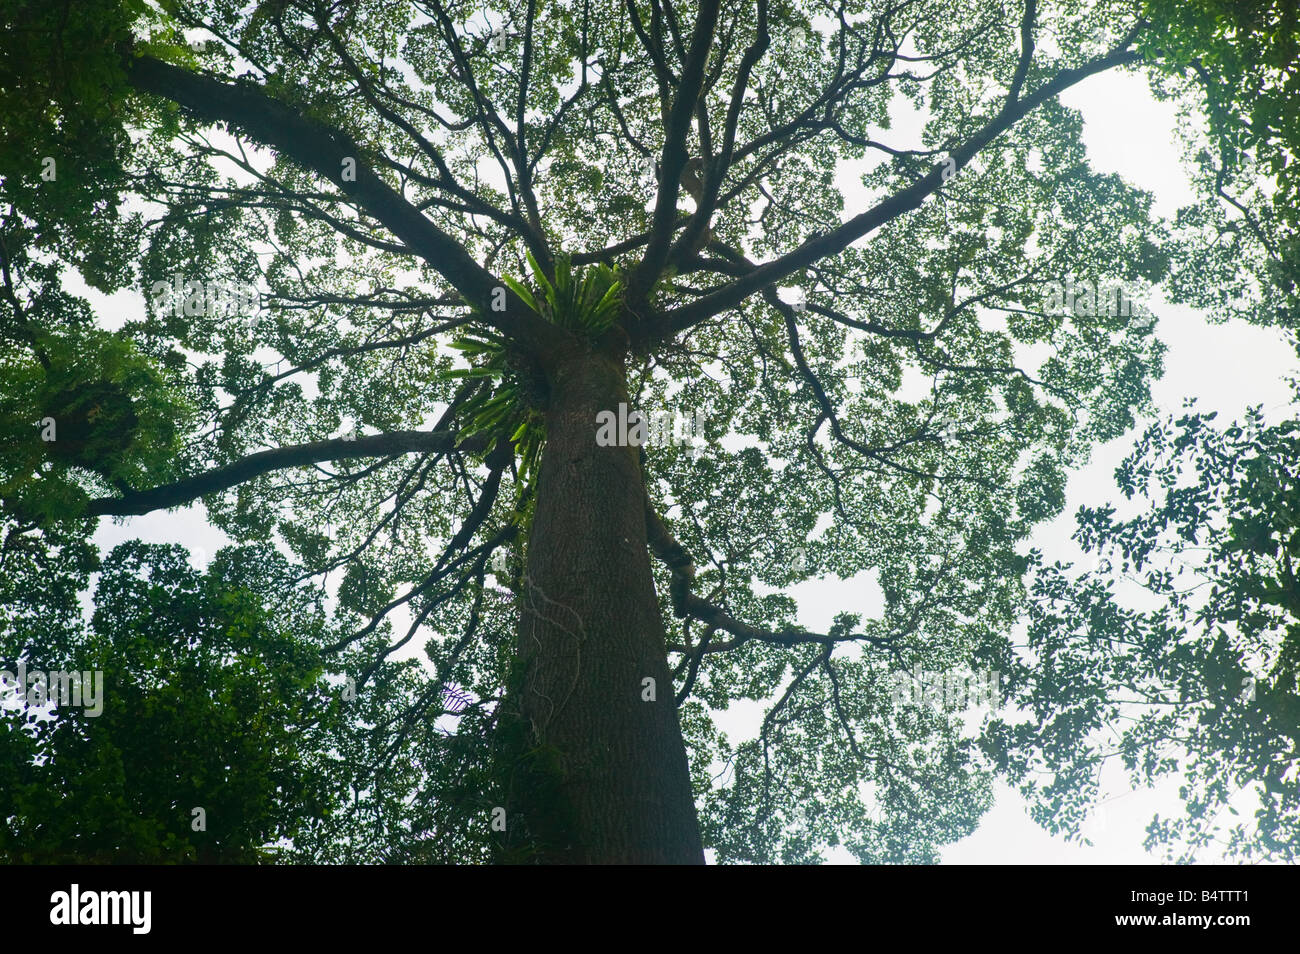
323 150
837 240
673 161
263 462
714 170
686 603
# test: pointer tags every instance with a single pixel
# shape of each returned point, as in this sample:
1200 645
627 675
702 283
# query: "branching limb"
687 604
324 151
674 157
280 458
823 245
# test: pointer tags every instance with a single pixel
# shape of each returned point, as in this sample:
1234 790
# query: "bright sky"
1226 367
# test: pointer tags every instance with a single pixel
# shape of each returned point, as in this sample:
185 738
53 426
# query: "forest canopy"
408 282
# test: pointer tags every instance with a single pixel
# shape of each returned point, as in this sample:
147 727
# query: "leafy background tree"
1235 68
215 697
472 233
1178 655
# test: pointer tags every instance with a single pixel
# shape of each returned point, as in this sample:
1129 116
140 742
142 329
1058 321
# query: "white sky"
1227 367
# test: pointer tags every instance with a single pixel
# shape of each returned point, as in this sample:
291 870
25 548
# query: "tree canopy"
397 259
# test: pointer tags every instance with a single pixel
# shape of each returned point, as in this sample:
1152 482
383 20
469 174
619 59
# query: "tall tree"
404 263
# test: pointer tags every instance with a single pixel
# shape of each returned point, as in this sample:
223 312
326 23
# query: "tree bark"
597 774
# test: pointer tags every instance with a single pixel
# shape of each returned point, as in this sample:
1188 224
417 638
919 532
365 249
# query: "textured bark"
606 777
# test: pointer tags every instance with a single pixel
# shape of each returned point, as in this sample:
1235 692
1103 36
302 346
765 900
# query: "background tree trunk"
597 775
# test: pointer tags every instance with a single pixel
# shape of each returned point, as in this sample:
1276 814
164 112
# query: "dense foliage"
420 204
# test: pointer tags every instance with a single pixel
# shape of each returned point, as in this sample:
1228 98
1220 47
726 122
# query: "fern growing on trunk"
512 405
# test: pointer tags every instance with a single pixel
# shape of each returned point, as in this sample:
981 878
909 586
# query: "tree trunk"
597 774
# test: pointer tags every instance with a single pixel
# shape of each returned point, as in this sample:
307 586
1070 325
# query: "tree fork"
595 772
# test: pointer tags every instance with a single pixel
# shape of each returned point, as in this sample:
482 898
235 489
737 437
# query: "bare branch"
280 458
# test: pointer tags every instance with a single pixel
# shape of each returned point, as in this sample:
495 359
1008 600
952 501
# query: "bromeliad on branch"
512 403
